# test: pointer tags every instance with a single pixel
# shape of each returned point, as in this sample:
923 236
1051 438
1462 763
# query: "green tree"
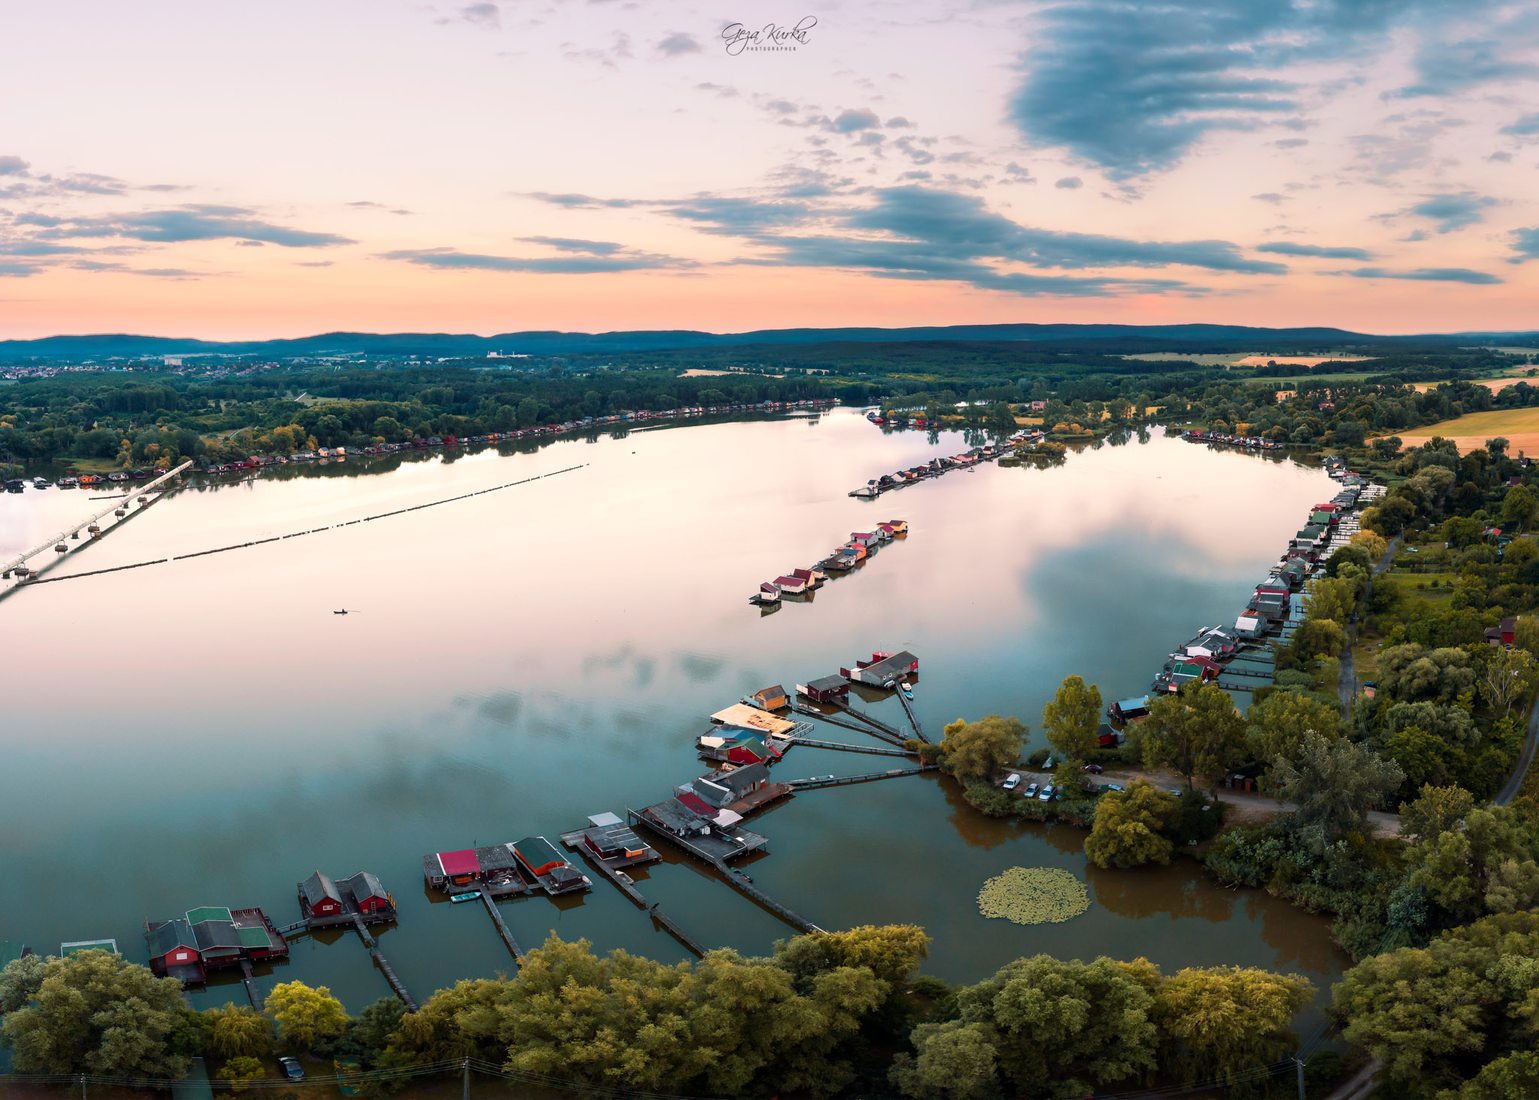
1196 732
951 1061
1131 827
20 981
1435 811
1047 1020
1333 598
238 1030
462 1021
1333 784
1274 726
1519 508
95 1012
1511 1077
306 1015
1435 1015
1220 1022
241 1072
976 750
1489 865
1072 717
1509 675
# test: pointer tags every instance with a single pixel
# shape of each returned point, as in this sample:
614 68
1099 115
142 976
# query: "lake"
208 732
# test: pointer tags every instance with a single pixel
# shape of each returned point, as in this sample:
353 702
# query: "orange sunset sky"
244 171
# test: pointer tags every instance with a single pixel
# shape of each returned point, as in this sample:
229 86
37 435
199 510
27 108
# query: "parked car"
1093 769
1048 793
291 1068
1012 781
1030 791
1112 787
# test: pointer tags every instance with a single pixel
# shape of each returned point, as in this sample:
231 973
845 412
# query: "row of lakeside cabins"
213 937
1203 657
1244 442
799 582
585 423
937 466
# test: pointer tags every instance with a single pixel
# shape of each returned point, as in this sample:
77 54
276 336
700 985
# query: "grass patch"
1520 427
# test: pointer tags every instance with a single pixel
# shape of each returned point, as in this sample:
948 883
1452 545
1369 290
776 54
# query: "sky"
278 169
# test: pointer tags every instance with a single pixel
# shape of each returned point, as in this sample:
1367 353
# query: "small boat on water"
41 483
473 895
68 482
908 692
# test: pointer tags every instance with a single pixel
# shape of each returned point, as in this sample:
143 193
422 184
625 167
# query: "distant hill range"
1175 338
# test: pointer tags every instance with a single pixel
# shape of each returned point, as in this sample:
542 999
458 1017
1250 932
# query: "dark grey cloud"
1525 245
853 119
1069 183
678 43
574 201
453 259
1452 210
1294 248
1272 197
1445 66
574 244
1526 126
898 122
11 165
487 16
1424 274
199 222
1132 87
962 226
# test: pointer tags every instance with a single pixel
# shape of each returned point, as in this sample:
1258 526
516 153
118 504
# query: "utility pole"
465 1084
82 1087
1298 1064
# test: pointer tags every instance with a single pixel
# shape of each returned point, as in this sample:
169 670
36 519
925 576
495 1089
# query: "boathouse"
607 837
319 897
742 748
826 689
174 951
1129 710
459 868
540 861
772 698
721 788
811 577
368 894
884 670
791 586
741 716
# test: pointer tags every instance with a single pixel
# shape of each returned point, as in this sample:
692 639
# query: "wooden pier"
875 723
248 979
396 985
908 709
853 727
842 747
674 930
868 777
502 927
744 885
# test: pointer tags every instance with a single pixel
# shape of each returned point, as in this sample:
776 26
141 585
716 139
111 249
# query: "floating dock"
840 746
846 780
502 927
397 986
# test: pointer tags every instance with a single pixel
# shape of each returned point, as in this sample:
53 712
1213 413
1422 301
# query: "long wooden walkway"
843 747
73 532
868 777
744 885
908 709
248 979
397 986
673 929
874 723
502 927
853 727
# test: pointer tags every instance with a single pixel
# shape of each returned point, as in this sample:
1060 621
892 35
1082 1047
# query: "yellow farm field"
1520 427
1492 384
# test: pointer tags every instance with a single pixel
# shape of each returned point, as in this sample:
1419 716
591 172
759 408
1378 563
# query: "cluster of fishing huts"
803 582
935 467
1271 609
1224 439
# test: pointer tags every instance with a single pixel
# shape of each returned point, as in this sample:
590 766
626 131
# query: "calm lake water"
207 732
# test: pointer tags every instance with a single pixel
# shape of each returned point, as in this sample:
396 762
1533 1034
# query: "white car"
1012 781
1030 791
1047 793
